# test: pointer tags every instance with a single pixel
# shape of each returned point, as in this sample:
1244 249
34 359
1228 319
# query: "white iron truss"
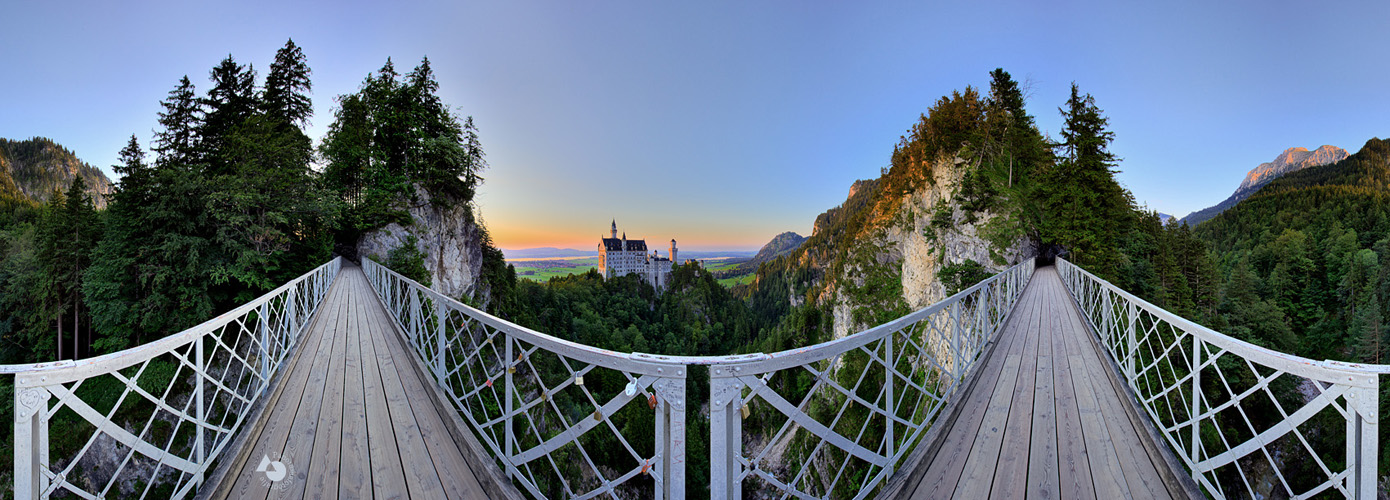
1243 419
556 414
189 394
525 393
569 420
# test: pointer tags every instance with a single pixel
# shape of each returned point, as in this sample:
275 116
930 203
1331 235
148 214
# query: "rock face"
910 244
38 166
1290 160
449 237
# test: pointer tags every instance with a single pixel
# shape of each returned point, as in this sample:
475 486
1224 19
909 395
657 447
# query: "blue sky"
721 124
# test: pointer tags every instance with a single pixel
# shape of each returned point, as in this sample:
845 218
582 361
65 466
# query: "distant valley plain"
561 263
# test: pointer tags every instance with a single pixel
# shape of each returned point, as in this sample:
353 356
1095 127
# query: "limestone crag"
919 250
1290 160
449 237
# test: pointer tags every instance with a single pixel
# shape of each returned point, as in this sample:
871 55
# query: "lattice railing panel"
564 420
148 422
847 412
1245 421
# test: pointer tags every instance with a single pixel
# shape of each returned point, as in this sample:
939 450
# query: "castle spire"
613 233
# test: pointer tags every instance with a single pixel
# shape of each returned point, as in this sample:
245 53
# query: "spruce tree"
231 100
1084 209
287 86
181 119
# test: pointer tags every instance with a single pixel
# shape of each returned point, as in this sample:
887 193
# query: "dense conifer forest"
226 203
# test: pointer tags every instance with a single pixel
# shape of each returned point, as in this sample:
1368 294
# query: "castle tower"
673 252
614 232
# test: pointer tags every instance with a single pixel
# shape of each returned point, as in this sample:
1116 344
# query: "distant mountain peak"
781 244
1292 159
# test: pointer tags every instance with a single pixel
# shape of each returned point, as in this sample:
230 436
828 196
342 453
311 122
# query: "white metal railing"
871 397
556 414
874 394
1248 421
150 421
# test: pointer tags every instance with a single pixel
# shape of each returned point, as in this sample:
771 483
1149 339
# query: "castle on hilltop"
621 256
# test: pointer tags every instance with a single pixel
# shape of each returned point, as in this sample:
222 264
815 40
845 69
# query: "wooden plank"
220 484
1074 470
1138 469
388 475
455 475
1043 477
321 480
355 471
284 413
1011 473
984 453
945 468
1108 479
421 478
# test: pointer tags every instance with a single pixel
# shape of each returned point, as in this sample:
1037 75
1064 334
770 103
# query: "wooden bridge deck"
1043 420
353 419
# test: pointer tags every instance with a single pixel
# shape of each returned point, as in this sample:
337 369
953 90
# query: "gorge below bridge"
355 382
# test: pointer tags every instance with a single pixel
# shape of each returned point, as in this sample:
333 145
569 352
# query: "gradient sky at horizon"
721 124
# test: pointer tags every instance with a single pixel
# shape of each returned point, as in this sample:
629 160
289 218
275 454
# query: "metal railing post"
293 331
726 435
441 342
1196 398
1363 439
265 342
414 316
201 411
509 407
956 371
1132 345
670 438
888 369
30 441
1105 319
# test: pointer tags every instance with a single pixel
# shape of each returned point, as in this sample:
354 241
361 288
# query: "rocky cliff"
913 236
878 255
448 235
1290 160
39 166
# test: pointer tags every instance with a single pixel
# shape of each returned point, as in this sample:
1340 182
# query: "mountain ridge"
40 165
1291 160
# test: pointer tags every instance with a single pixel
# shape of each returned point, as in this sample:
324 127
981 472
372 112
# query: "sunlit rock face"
1290 160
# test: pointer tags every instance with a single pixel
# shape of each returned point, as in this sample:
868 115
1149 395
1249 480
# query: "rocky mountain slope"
38 166
780 244
878 255
1292 159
